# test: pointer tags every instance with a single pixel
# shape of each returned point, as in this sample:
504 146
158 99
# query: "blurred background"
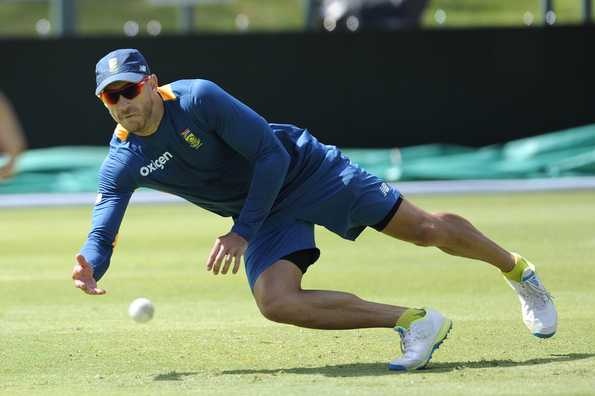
86 18
411 89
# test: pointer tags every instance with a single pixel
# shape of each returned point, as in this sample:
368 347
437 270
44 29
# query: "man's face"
135 113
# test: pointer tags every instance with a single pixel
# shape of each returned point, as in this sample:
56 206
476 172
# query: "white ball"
141 310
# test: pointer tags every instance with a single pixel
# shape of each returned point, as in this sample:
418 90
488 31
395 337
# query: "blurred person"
12 139
351 15
192 139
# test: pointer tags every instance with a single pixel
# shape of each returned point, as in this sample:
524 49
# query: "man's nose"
123 101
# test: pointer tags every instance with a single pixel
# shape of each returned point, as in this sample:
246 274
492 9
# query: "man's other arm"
115 190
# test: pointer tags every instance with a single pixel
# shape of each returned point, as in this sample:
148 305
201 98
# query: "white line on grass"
408 188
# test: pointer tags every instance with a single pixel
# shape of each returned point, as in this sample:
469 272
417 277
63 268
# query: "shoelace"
407 338
535 294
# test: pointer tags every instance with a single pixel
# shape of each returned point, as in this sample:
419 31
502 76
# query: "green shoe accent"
516 274
410 316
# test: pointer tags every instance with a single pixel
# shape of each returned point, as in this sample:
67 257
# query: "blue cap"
120 65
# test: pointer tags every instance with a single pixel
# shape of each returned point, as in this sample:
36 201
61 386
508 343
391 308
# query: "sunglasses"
129 91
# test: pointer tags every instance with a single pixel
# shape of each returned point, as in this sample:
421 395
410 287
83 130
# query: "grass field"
208 338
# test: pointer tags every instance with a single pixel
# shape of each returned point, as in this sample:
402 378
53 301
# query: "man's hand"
230 247
7 169
82 274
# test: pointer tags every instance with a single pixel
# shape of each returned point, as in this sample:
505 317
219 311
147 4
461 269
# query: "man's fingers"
227 249
80 284
87 289
218 260
237 260
213 254
228 259
94 291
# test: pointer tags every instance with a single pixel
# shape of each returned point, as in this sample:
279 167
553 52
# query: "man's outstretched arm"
116 186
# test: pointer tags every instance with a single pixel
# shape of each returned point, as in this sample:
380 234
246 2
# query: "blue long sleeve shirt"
213 151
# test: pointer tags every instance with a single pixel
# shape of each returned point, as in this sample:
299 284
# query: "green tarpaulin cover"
566 153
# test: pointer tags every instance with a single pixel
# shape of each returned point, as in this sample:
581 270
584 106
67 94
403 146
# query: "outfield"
208 337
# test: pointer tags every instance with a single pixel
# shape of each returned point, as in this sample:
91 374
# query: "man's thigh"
274 242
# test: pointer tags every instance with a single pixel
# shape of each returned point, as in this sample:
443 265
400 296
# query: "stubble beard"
139 124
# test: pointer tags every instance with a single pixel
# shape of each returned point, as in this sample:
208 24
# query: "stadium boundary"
407 188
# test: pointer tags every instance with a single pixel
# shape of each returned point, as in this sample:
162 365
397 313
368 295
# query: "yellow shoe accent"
409 316
516 274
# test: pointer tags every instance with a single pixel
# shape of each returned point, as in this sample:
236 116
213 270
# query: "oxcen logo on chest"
156 164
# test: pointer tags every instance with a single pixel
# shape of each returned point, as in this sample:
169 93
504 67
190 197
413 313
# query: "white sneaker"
537 306
419 342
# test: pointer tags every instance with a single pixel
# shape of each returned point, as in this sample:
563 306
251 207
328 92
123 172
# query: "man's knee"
448 218
281 308
417 226
427 232
277 292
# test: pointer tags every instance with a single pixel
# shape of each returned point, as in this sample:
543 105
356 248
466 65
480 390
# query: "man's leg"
457 236
449 232
280 298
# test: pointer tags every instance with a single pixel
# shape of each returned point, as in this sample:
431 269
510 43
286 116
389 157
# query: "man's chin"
130 125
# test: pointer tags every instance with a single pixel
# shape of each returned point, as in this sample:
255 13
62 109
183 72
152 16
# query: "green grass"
208 338
500 12
108 16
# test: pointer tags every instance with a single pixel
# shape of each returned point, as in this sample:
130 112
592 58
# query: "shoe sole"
545 332
442 335
542 335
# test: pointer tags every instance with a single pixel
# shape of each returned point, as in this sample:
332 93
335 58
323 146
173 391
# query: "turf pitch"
208 337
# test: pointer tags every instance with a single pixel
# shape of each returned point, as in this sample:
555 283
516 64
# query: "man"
192 139
12 139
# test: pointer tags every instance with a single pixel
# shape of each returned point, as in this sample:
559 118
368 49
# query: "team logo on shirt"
191 138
